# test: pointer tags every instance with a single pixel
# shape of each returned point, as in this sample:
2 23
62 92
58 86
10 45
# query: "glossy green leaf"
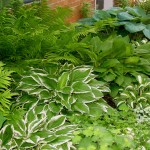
81 107
123 16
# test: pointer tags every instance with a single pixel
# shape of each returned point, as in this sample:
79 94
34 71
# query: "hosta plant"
136 97
38 129
69 88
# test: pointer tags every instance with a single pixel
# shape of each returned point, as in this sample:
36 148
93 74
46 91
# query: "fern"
5 93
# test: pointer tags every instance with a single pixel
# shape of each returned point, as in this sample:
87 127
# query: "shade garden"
74 86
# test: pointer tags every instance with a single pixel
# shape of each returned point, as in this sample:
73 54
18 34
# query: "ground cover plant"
81 86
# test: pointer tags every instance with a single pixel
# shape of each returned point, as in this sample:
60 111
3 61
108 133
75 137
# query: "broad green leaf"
81 107
80 74
45 94
85 97
114 90
65 130
29 80
132 60
56 122
97 93
123 16
7 134
146 31
80 87
136 11
134 27
28 144
101 15
55 107
110 63
67 90
119 80
60 140
123 107
109 77
63 80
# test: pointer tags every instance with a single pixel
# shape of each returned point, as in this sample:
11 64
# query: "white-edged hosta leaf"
64 130
55 108
44 94
49 83
81 107
139 79
67 90
63 80
80 74
56 122
97 92
27 144
85 97
29 80
60 140
80 87
7 133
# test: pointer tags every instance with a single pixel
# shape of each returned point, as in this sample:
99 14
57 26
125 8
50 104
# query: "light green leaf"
97 92
120 80
63 80
81 107
56 122
80 87
44 94
80 74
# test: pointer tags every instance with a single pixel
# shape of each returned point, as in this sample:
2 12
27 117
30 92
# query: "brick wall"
75 5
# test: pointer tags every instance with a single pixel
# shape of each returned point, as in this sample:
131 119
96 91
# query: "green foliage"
131 19
5 94
86 9
137 97
26 32
71 88
38 129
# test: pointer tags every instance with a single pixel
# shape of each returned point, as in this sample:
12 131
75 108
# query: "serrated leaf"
56 122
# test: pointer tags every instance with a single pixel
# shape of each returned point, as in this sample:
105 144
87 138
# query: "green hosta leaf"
45 94
7 133
81 107
55 107
63 80
28 144
123 107
110 63
97 93
67 90
132 60
30 81
56 122
65 130
95 109
146 31
134 27
80 87
119 80
49 83
136 11
123 16
80 74
109 77
85 97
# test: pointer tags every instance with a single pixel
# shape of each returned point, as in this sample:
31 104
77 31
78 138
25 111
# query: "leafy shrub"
132 19
71 88
39 128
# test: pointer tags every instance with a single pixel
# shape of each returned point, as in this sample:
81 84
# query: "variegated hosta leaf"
38 127
72 88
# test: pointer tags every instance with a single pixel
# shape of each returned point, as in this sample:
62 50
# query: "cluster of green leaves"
39 128
71 88
27 32
131 19
5 93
